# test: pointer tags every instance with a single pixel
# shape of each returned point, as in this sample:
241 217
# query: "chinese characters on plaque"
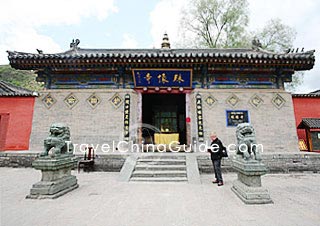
93 100
116 100
162 78
71 100
126 116
49 100
236 117
199 117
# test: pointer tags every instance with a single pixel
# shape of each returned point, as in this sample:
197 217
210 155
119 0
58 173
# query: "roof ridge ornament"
74 44
256 44
165 41
293 50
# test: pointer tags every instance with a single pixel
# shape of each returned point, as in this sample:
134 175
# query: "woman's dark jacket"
216 153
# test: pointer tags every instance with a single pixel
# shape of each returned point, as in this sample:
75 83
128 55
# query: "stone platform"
276 162
56 177
248 186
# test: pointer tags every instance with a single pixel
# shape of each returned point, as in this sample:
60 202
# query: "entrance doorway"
166 113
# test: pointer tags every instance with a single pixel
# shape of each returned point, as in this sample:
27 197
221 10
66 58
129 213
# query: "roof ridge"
298 61
306 94
237 50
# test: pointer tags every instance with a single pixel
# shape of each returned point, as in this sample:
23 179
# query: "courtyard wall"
15 122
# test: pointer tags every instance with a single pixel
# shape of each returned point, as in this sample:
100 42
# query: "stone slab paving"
102 199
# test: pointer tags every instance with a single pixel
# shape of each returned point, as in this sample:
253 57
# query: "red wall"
15 122
305 107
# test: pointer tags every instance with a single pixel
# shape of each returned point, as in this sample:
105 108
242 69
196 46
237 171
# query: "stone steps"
160 168
159 161
162 156
154 173
159 179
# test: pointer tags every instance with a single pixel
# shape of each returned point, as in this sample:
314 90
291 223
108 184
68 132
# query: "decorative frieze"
116 100
93 100
49 100
71 100
278 101
210 101
233 100
256 101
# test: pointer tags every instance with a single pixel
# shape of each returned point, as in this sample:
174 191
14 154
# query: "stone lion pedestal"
55 163
248 186
56 177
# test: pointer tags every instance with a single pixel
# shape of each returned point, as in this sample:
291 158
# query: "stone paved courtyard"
102 199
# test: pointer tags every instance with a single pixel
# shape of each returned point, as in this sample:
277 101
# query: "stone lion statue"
247 145
58 141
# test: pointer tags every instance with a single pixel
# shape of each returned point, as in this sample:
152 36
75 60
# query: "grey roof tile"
9 90
96 53
306 59
309 123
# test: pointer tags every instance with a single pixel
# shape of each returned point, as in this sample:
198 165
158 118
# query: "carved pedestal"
248 185
56 177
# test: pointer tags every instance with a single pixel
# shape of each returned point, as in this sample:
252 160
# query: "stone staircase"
160 168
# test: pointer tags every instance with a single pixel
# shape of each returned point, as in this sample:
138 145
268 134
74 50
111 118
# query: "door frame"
187 114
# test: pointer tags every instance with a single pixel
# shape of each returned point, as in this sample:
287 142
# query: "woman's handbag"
224 152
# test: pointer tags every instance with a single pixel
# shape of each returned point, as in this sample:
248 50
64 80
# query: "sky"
51 25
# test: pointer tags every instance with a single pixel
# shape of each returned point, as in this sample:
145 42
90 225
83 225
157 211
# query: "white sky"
50 25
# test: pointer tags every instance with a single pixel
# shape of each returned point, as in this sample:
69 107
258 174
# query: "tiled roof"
314 94
153 53
309 123
9 90
310 95
297 61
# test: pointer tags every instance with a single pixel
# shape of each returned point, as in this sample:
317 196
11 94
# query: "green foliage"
217 23
24 79
297 80
224 24
276 36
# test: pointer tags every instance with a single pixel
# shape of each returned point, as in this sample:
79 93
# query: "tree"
25 79
297 80
217 23
278 37
224 24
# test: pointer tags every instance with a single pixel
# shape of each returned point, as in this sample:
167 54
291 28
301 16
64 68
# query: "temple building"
307 113
158 96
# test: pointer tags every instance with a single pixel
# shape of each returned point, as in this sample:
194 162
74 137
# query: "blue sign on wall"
162 78
235 117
